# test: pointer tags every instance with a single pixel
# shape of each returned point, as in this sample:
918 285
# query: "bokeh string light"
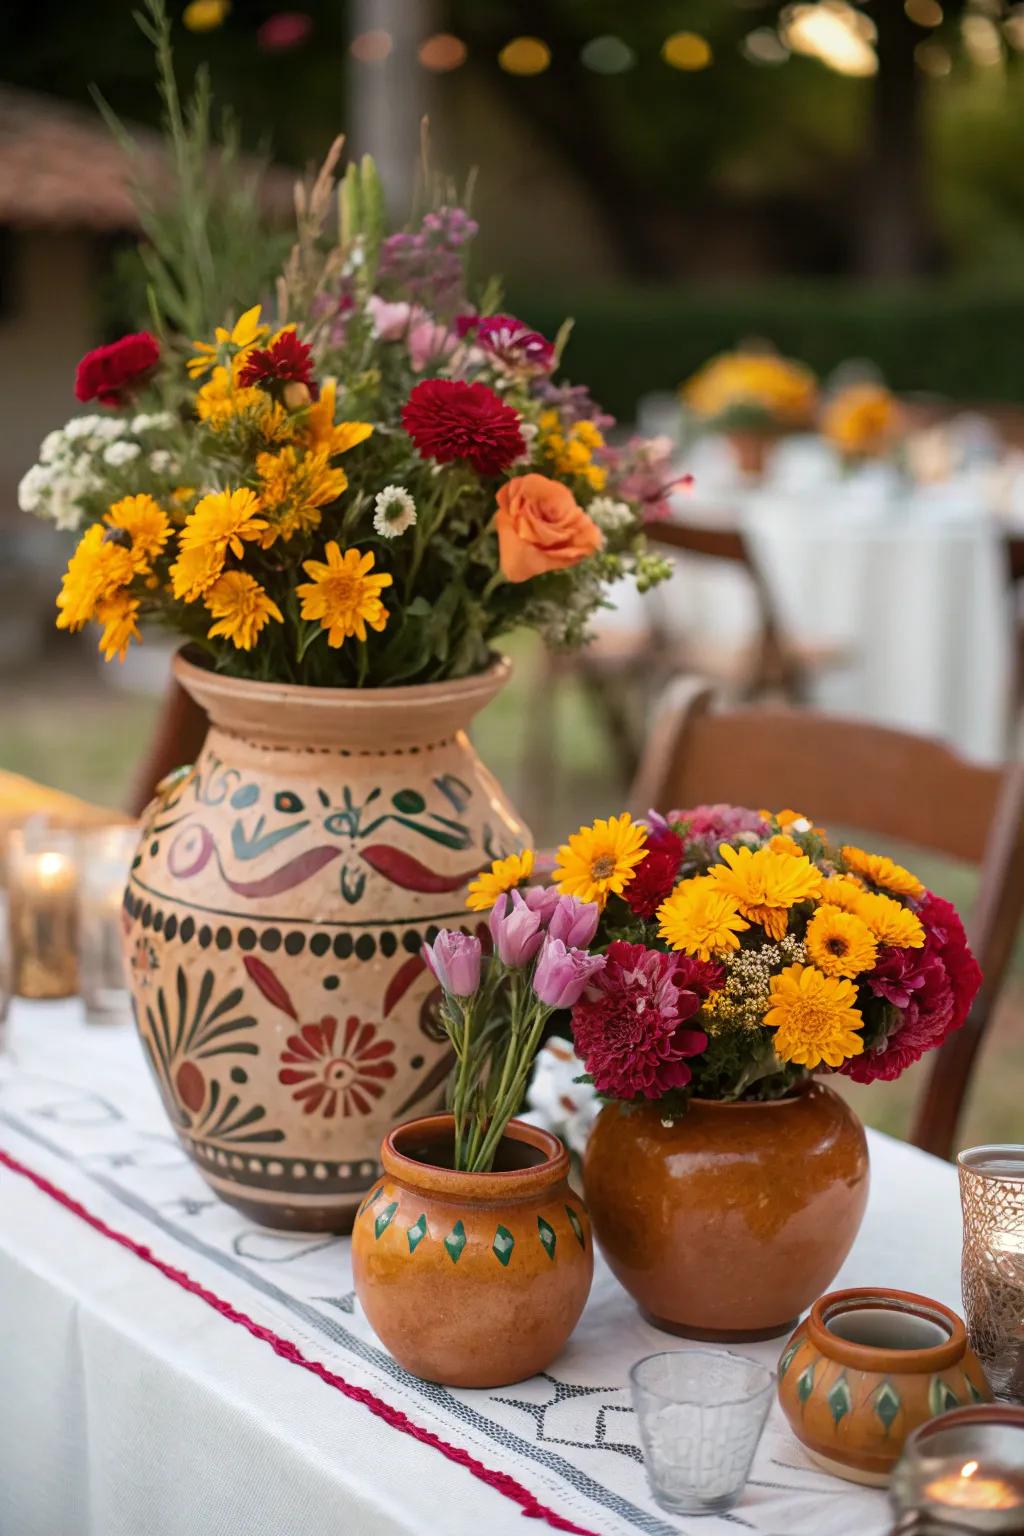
607 55
283 31
686 51
371 47
525 56
442 53
205 15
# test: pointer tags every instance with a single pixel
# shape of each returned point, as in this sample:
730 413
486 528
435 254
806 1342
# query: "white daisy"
610 516
121 453
394 511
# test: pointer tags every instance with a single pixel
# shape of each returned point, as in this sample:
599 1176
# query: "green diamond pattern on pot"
788 1358
941 1397
887 1404
417 1232
839 1401
577 1226
547 1236
455 1242
503 1244
385 1218
805 1382
371 1199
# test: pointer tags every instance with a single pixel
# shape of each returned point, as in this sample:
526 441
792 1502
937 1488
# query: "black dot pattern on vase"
239 1075
158 922
320 943
147 915
343 945
188 928
294 943
388 943
223 938
366 946
331 983
205 936
416 1062
411 941
247 938
270 939
432 933
170 927
154 849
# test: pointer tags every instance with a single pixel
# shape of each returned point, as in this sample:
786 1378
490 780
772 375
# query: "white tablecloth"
130 1403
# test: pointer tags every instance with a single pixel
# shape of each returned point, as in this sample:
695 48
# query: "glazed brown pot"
472 1279
865 1369
275 915
728 1222
752 451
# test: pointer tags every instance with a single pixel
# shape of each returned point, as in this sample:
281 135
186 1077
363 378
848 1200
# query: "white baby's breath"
33 487
394 511
121 453
160 461
610 516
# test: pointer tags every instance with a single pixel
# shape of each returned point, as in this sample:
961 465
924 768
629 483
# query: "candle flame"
51 864
968 1469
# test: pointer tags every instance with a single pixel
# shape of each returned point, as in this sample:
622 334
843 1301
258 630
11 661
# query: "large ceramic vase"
472 1279
728 1222
275 914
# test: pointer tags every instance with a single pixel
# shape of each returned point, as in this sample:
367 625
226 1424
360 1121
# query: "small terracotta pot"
472 1279
752 450
725 1224
865 1369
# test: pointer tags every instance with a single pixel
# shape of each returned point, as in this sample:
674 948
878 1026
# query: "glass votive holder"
700 1413
992 1196
105 858
962 1472
42 892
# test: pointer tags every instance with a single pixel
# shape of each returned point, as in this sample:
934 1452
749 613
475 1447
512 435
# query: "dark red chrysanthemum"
700 976
933 987
653 879
627 1027
112 373
449 420
287 361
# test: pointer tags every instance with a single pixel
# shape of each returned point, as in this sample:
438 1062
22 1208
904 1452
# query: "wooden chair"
897 785
177 740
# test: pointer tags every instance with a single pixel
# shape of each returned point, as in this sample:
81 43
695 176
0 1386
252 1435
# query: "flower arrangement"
367 481
751 391
495 1007
742 953
862 420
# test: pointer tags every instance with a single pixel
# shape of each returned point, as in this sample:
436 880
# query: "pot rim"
867 1357
513 1184
972 1413
187 670
972 1160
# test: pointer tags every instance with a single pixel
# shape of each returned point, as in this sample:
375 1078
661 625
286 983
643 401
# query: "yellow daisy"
292 491
889 922
343 595
504 875
146 524
244 334
814 1017
119 616
840 943
600 861
224 520
882 871
220 400
99 568
701 918
765 884
241 607
842 891
320 431
195 571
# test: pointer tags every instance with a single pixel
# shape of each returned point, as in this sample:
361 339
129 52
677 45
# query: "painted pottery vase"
274 918
726 1223
472 1279
865 1369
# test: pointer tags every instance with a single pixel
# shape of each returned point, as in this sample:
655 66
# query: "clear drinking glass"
700 1414
105 858
992 1195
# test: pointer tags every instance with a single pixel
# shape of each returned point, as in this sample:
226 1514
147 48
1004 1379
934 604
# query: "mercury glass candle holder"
962 1473
105 857
700 1413
992 1195
42 889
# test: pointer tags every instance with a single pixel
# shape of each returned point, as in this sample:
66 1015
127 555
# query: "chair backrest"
891 783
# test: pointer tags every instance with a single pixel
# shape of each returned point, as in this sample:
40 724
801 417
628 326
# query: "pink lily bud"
516 931
574 922
454 959
562 974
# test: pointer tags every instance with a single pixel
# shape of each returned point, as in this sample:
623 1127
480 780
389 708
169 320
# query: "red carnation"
449 420
700 976
628 1025
653 880
112 374
286 361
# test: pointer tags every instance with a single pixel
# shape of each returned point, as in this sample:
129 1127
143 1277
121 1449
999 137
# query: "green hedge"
964 344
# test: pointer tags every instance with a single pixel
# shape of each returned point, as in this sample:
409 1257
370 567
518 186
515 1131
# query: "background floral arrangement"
366 481
743 953
751 391
862 420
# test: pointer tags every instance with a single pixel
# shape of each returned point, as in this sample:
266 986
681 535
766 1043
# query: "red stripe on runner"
501 1482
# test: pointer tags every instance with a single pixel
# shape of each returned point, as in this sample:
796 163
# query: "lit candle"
970 1488
43 885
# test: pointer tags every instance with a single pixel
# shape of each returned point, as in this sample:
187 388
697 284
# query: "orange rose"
541 528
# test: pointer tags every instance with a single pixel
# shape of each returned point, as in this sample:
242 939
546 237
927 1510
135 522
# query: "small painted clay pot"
472 1279
752 451
865 1369
726 1223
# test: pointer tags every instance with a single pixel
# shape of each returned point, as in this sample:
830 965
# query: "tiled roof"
60 168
